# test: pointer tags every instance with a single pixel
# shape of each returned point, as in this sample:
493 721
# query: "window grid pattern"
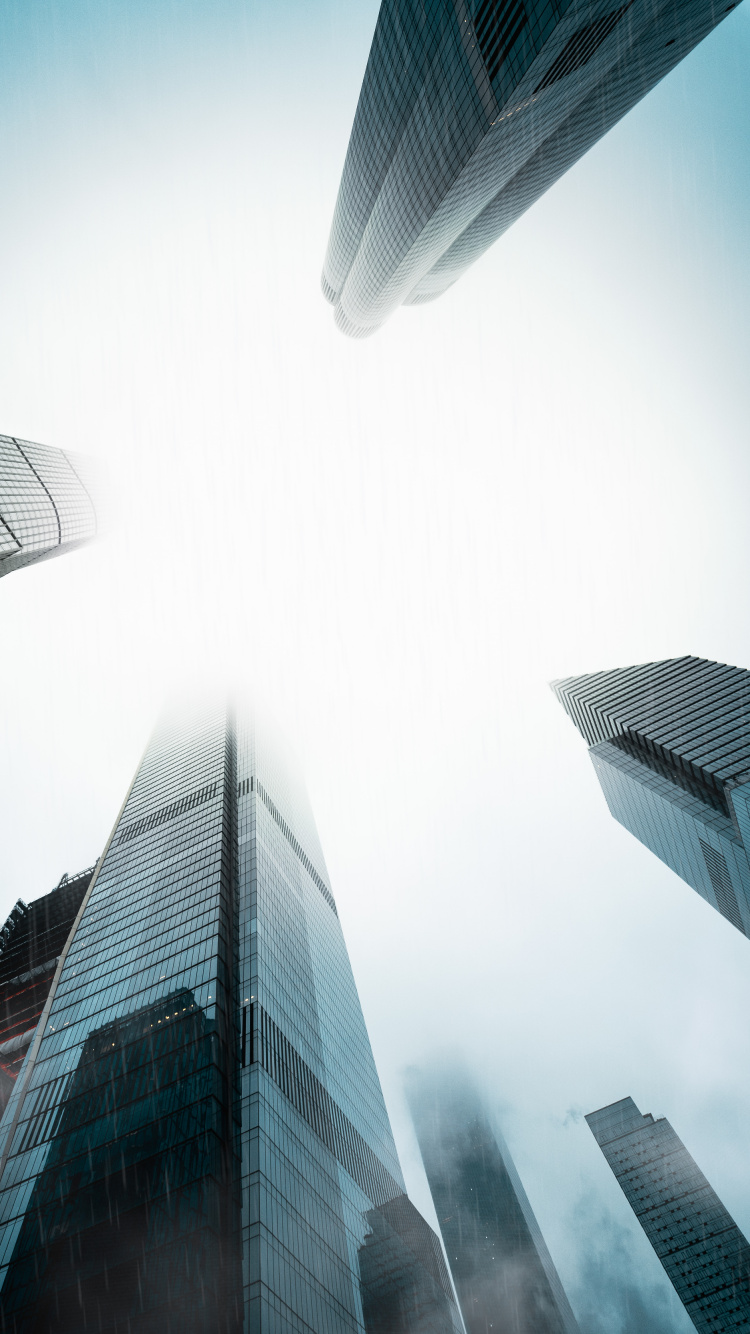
277 1056
152 1172
582 46
670 743
702 1250
318 1150
461 126
497 27
672 824
542 135
401 1247
32 939
119 1199
297 847
47 502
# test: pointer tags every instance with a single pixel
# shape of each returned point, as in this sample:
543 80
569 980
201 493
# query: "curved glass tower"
47 502
197 1141
469 111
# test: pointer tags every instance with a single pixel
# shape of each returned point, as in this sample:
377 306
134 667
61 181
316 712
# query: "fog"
395 545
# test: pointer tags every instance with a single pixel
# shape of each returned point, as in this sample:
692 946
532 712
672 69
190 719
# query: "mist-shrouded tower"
703 1252
469 111
49 502
197 1141
670 743
503 1272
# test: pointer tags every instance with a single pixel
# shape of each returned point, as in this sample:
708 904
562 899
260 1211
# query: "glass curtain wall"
197 1139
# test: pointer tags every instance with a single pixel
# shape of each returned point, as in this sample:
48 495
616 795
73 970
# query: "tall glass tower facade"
469 111
47 502
703 1252
504 1275
197 1140
670 743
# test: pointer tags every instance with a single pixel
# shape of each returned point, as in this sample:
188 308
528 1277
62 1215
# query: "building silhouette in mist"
31 942
197 1141
504 1275
703 1252
469 111
47 502
670 743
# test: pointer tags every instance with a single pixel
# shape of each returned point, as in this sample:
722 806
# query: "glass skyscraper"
504 1275
703 1252
197 1140
31 942
47 502
469 111
670 743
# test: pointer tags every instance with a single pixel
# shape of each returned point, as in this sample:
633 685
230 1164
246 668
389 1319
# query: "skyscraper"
469 111
703 1252
670 743
47 502
503 1272
31 942
197 1141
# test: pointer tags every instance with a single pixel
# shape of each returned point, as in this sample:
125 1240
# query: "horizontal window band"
283 1063
582 47
166 813
253 784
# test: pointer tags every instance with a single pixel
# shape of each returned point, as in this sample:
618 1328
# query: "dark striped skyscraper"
469 111
31 942
197 1141
670 742
703 1252
47 502
504 1275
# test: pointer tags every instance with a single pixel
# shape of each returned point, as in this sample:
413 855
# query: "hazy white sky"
397 544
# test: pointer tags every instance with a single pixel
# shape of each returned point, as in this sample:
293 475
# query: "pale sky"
396 543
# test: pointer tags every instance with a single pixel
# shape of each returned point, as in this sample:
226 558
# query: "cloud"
613 1295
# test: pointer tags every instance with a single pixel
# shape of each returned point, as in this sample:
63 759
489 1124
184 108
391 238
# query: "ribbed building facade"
504 1275
670 743
703 1252
197 1141
48 502
469 111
